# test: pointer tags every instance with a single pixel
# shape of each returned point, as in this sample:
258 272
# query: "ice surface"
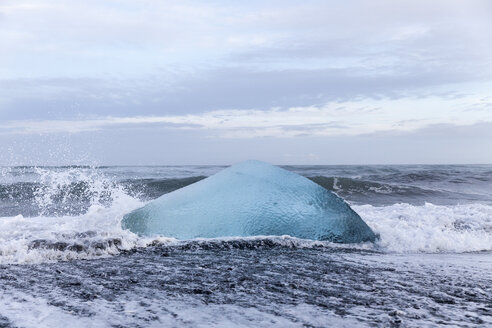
250 199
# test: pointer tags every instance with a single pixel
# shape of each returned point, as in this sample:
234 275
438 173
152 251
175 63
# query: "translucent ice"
248 199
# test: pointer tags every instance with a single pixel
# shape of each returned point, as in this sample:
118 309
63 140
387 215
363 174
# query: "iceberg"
251 198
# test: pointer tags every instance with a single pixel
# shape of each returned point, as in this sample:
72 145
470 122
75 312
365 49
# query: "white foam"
55 183
403 228
430 228
98 224
27 311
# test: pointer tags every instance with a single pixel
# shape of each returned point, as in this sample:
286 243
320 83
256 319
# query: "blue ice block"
249 199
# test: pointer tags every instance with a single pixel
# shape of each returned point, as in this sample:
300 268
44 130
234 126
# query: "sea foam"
431 228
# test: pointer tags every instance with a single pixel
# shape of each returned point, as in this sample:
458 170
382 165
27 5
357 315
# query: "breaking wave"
406 228
75 213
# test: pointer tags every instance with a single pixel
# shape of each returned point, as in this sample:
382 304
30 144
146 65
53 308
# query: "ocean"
65 260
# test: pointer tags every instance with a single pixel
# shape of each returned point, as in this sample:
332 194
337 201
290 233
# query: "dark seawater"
64 259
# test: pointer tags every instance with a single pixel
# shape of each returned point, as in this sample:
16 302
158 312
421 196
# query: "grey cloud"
355 47
313 52
481 131
436 144
225 88
475 131
232 88
332 125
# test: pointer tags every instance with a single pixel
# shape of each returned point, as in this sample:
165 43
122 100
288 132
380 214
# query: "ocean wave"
75 213
356 188
74 196
430 228
435 175
73 192
152 188
402 228
95 233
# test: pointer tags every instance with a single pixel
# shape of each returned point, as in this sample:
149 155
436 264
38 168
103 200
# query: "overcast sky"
216 82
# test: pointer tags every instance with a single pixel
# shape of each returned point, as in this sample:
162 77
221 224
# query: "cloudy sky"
216 82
